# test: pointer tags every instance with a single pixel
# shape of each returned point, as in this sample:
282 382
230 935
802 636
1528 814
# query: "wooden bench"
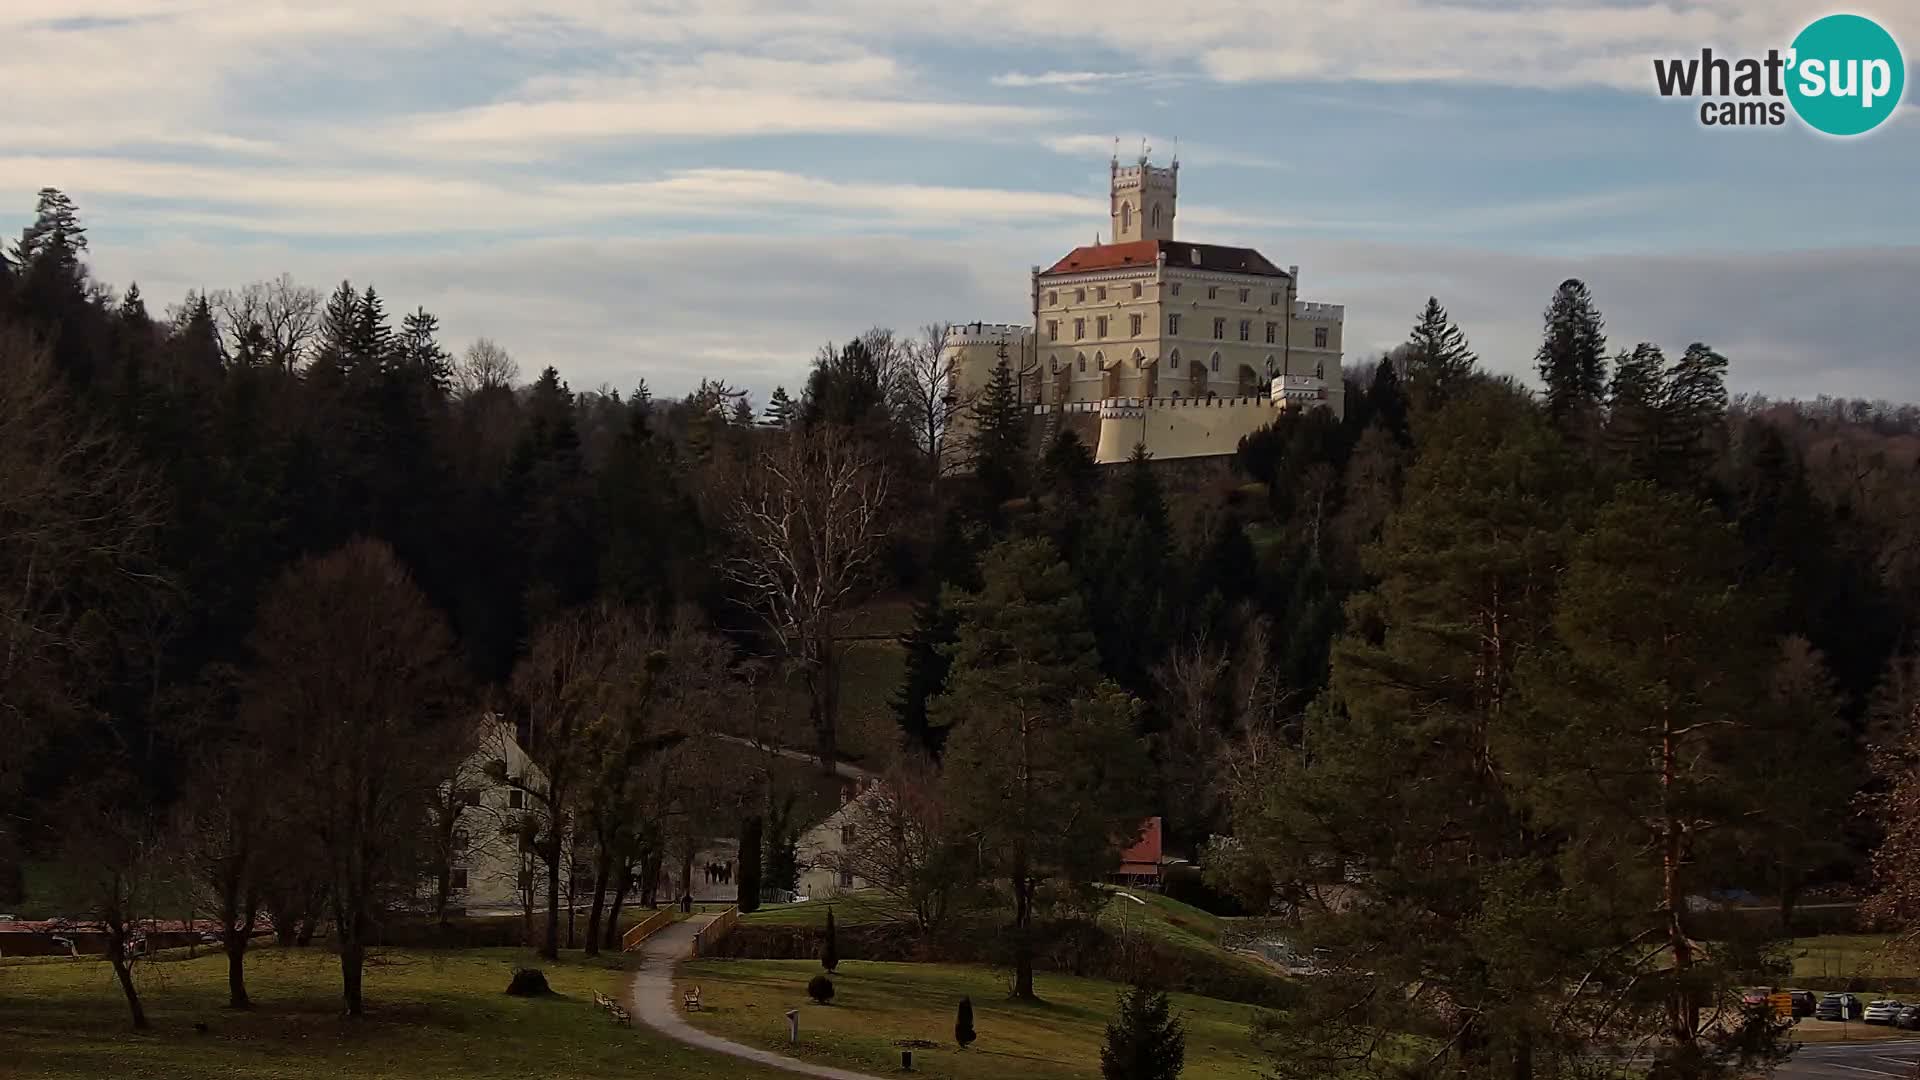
602 1000
620 1015
691 999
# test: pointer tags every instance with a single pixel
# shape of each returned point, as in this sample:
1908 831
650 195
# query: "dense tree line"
1527 672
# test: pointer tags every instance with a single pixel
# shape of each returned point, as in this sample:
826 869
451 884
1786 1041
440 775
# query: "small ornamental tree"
820 989
963 1024
830 951
1144 1041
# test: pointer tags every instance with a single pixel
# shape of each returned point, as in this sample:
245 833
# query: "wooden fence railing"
710 935
645 928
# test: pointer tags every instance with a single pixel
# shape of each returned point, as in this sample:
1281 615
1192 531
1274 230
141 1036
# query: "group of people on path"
720 873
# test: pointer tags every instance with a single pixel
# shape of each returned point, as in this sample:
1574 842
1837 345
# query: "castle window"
1319 337
1136 290
1053 364
1126 217
1243 296
1079 329
847 834
458 879
1219 329
1173 324
1273 367
1173 360
1319 369
1156 216
1053 329
1100 328
1083 361
1134 322
1272 328
1274 299
1053 297
1079 296
1213 292
1176 288
1101 293
1214 364
1246 329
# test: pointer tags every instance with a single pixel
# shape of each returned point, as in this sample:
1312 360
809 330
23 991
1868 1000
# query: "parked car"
1838 1007
1804 1002
1883 1011
1909 1018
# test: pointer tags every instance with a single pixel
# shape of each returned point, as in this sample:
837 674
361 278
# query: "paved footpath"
651 994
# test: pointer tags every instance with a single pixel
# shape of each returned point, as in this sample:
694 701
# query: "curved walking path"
652 1000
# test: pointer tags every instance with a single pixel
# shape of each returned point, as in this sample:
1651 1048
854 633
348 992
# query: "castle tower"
1143 199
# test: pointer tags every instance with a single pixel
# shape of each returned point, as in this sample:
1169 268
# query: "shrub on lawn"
820 989
963 1023
528 982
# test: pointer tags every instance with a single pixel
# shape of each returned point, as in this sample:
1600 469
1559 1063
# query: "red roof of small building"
1144 856
1235 260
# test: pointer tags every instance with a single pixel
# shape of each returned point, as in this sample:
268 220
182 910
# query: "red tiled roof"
1237 260
1144 855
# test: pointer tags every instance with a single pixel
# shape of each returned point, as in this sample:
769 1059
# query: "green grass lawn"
877 1005
430 1015
1845 956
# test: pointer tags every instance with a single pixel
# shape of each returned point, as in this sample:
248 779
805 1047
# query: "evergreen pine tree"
1572 359
1438 357
333 347
1695 415
1068 470
1000 439
420 351
196 341
963 1024
133 309
1388 400
830 948
1043 759
780 409
371 340
56 235
742 412
1144 1040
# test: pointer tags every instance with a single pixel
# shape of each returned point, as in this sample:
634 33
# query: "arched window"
1173 360
1156 216
1083 361
1126 217
1273 367
1215 362
1176 393
1053 363
1139 360
1099 361
1319 369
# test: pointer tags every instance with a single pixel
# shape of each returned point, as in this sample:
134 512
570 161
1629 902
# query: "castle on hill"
1147 340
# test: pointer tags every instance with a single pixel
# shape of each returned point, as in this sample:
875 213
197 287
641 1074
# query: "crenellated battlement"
982 333
1306 309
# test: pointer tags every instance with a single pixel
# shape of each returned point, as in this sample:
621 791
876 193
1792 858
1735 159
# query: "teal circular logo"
1846 75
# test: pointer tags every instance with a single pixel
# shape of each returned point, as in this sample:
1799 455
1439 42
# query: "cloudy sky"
679 188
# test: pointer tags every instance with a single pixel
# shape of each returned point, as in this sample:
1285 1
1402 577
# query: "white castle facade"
1184 348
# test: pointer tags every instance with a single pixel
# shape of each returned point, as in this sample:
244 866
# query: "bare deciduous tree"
568 682
930 397
358 682
77 525
486 366
287 313
905 844
114 847
808 523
